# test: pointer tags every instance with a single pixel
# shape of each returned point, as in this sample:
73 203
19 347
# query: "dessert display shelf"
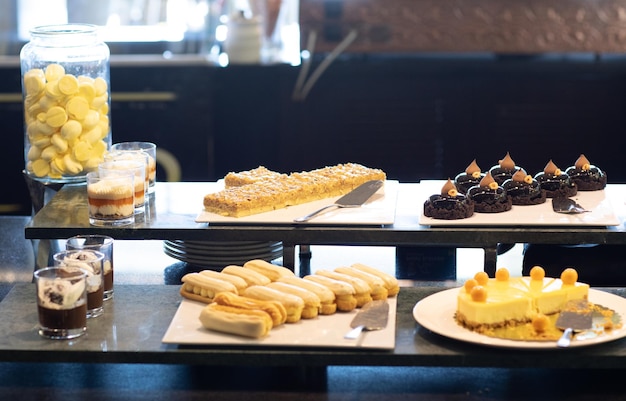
172 212
119 337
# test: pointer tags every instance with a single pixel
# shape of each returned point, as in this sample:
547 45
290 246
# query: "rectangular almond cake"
261 190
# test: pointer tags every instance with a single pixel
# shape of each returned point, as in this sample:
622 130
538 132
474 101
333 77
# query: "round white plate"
436 313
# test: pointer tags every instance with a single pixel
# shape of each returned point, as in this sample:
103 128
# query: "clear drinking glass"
111 199
90 262
100 243
150 149
137 166
61 302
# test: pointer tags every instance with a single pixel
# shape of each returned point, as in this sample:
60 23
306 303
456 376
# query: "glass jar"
65 86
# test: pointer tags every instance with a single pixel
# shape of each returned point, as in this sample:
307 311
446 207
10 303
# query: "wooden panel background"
502 26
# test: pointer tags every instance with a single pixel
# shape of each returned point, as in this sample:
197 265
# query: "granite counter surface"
134 322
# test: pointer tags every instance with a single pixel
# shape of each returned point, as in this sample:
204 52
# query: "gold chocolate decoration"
507 162
551 168
448 189
488 181
472 168
582 163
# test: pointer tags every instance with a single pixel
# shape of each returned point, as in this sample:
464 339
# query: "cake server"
566 205
586 321
355 198
577 315
372 316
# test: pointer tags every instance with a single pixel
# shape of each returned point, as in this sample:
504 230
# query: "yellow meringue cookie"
91 119
52 90
72 166
34 82
40 140
59 143
86 90
68 84
77 107
93 135
99 101
71 130
39 167
54 72
34 153
56 117
46 102
101 86
49 153
82 151
57 166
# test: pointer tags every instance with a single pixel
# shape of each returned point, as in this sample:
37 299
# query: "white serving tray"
380 209
602 212
325 331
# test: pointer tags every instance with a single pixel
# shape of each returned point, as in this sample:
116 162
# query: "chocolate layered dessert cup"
504 170
61 302
449 204
586 176
100 243
470 177
91 263
489 197
524 189
555 182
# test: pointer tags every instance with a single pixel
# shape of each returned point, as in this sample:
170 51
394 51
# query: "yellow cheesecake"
486 303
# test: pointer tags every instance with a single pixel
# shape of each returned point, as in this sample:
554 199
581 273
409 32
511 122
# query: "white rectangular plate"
324 331
380 209
602 212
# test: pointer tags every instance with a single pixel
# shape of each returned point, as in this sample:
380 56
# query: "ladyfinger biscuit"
293 304
202 288
344 292
326 296
250 276
237 281
271 271
362 290
393 287
232 320
377 285
312 303
275 309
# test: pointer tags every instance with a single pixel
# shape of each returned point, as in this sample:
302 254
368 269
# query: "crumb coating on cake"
261 173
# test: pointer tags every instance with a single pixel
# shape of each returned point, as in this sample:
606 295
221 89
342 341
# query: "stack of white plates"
218 254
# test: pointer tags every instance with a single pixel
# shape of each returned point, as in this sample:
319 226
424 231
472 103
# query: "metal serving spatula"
372 316
576 316
355 198
566 205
